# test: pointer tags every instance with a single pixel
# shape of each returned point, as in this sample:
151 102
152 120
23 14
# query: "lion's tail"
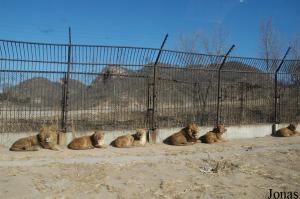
22 149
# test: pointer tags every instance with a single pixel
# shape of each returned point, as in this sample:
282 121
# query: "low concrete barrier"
233 132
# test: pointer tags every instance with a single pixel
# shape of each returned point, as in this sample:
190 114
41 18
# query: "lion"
286 132
126 141
46 138
215 135
142 134
95 140
186 136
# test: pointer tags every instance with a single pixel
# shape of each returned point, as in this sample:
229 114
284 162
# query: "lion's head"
140 133
48 135
220 128
292 127
98 137
193 130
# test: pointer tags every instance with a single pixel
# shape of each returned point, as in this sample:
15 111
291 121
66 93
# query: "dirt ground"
235 169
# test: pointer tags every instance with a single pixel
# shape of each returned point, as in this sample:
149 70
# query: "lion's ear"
101 133
292 127
42 129
52 128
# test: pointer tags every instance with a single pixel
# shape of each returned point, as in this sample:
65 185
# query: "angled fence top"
93 55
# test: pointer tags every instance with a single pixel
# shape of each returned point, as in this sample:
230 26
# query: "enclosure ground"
235 169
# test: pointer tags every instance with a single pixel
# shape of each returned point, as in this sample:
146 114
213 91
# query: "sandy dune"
235 169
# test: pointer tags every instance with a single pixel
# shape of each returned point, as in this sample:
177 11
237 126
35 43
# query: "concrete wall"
7 139
233 132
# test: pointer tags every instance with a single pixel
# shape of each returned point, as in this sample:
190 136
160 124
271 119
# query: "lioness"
46 138
142 134
95 140
137 139
215 135
287 131
186 136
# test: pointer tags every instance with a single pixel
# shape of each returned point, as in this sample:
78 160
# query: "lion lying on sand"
88 142
46 138
287 131
186 136
215 135
137 139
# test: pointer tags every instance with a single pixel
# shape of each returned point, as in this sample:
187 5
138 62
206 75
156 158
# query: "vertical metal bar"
276 99
219 82
242 113
195 93
66 90
298 92
63 101
148 101
154 101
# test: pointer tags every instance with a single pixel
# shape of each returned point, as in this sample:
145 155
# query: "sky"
145 23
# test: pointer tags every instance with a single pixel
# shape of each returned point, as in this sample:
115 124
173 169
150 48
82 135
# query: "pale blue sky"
144 23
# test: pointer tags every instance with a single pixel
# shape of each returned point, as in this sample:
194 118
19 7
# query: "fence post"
154 94
276 97
242 101
66 88
194 101
63 82
219 82
148 103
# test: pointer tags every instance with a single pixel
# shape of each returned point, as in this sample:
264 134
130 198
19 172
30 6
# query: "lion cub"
287 131
88 142
46 138
186 136
215 135
137 139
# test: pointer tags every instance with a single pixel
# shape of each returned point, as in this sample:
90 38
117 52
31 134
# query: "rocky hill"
116 83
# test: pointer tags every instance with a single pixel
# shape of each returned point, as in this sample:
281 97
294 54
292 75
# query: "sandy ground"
235 169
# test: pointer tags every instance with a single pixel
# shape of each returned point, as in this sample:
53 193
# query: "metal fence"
108 87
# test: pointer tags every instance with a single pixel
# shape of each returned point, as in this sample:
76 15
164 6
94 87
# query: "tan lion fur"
287 131
46 138
215 135
95 140
142 134
125 141
186 136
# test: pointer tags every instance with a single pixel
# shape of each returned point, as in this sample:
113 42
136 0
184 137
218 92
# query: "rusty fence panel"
30 85
288 90
247 91
111 87
186 88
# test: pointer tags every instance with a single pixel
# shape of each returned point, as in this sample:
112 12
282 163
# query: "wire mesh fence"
124 87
